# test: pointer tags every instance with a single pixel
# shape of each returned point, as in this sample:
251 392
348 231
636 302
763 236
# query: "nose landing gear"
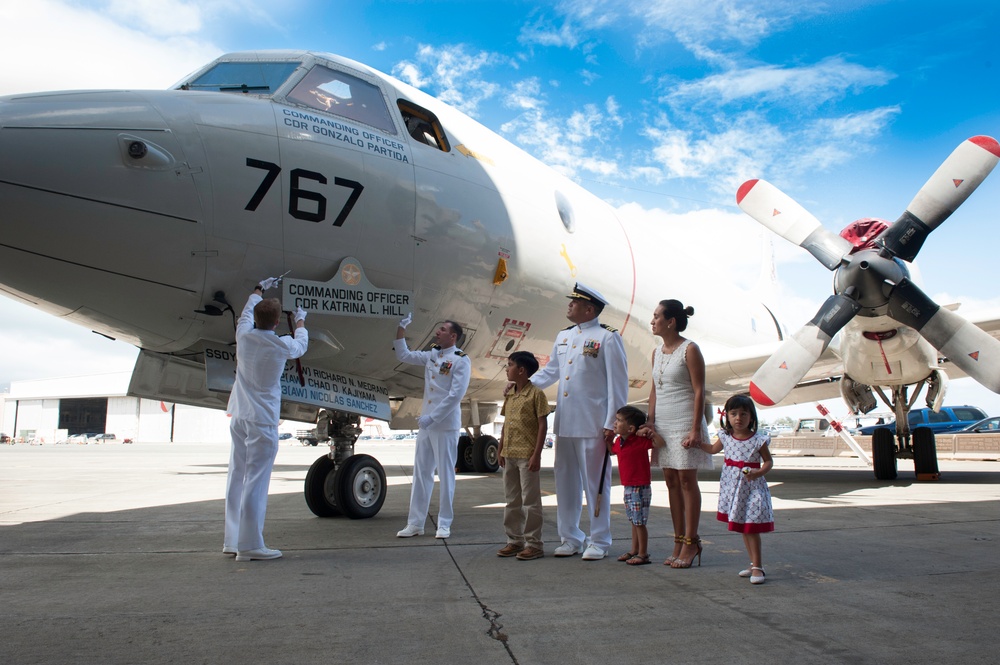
342 483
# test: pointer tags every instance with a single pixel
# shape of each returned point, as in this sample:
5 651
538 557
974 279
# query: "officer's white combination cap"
584 292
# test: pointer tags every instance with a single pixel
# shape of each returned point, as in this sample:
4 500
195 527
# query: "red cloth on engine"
863 232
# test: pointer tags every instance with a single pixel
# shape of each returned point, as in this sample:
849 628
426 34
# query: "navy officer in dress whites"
255 405
446 377
588 360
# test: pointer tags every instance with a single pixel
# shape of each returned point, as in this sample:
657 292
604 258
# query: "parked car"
948 419
810 426
284 436
986 425
107 437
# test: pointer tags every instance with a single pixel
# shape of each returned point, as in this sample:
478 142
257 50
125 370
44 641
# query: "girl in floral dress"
744 500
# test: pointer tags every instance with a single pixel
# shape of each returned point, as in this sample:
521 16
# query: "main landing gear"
342 483
921 448
480 454
888 446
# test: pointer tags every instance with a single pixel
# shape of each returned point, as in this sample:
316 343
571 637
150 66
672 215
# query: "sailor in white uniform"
446 378
588 360
254 406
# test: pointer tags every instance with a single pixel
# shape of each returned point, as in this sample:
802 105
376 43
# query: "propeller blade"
973 350
780 213
957 177
786 366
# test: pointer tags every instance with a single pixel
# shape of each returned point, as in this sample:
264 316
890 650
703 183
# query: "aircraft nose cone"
100 210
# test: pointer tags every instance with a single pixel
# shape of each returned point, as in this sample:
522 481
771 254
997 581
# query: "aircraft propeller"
871 280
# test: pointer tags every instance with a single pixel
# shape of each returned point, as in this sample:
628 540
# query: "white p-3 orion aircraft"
148 216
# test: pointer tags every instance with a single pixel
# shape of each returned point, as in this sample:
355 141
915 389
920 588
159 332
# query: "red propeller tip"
987 143
744 190
758 395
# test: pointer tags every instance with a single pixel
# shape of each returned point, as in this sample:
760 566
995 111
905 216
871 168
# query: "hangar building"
50 410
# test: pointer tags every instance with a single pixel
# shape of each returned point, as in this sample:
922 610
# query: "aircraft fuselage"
126 211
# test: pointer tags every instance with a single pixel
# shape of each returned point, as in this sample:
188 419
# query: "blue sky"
662 108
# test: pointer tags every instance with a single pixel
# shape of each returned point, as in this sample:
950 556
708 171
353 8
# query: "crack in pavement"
495 631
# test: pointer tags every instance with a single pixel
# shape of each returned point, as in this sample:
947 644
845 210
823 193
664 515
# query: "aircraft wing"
729 371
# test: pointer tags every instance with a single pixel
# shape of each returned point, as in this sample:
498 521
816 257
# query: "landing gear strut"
342 483
887 447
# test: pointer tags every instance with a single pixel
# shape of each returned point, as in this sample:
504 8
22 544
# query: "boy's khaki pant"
522 517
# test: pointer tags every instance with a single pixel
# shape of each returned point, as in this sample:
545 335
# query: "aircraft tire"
486 454
884 454
321 488
924 451
464 460
361 487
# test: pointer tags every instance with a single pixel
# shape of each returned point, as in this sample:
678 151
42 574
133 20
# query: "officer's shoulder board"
568 327
436 347
460 354
609 328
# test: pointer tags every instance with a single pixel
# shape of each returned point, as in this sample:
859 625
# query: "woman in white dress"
677 411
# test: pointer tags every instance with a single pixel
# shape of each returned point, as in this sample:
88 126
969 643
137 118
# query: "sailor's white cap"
584 292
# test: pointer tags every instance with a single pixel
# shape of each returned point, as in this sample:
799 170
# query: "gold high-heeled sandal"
682 563
672 558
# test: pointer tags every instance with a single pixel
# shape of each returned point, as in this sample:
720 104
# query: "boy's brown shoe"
529 553
510 549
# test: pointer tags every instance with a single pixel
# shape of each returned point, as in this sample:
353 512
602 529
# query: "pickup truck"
948 419
308 437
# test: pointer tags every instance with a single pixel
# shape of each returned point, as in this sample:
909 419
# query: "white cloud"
381 46
160 17
724 159
593 14
544 34
60 46
612 108
828 142
726 150
696 24
571 145
410 73
453 75
807 86
759 120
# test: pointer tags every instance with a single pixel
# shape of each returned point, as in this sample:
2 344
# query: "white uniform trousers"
436 450
578 471
255 446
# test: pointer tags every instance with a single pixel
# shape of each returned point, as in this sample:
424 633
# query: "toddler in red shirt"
633 469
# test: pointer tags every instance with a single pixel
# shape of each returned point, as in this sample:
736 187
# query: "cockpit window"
253 78
335 92
423 125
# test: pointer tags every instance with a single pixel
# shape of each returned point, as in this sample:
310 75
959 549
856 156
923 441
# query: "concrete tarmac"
112 554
